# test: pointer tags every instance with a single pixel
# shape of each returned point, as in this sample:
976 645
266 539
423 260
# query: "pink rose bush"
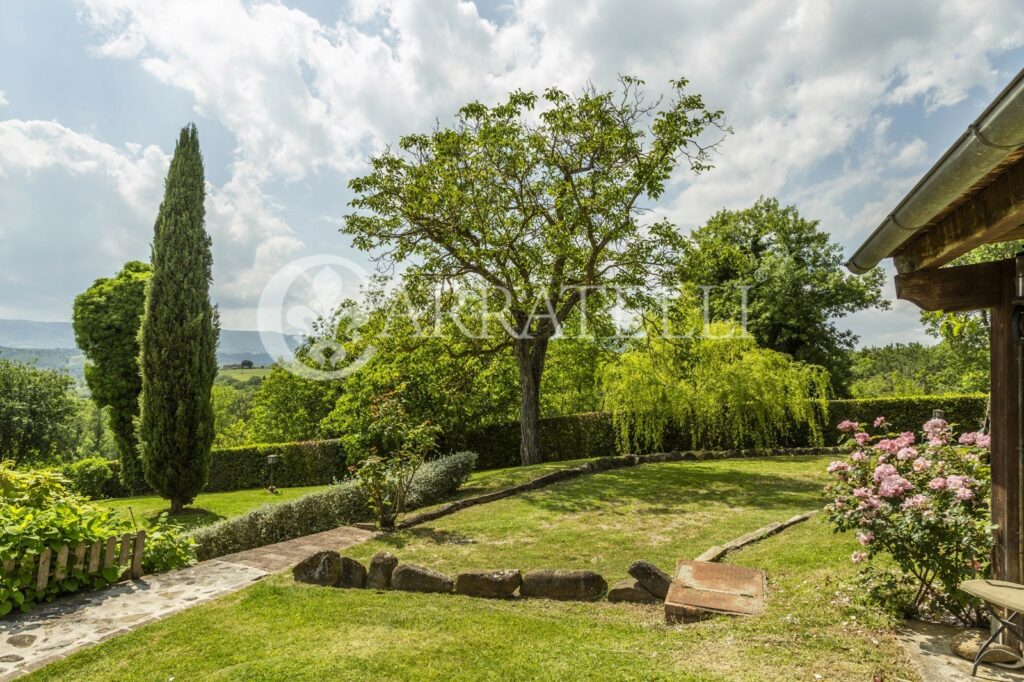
922 501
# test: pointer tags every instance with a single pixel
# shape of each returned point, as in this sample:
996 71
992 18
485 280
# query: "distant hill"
52 345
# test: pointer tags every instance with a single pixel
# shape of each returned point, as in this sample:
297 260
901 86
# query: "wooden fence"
50 566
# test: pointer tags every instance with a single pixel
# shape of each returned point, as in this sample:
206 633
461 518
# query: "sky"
837 107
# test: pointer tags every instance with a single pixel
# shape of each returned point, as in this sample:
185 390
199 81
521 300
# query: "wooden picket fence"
50 566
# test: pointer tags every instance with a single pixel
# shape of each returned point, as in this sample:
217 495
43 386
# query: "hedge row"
593 435
298 464
339 505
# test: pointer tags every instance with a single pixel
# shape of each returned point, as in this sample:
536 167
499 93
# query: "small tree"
543 209
178 339
37 414
391 450
106 320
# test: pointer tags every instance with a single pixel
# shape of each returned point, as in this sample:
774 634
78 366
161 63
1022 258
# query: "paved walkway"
53 631
927 644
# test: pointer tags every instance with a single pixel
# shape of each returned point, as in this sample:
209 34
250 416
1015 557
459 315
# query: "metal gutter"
994 135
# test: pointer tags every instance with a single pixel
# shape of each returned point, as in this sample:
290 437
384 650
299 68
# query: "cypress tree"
178 336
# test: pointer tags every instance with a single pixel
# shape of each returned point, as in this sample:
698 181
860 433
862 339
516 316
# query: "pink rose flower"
964 494
968 438
879 421
862 493
848 426
838 467
983 440
894 486
937 483
906 453
861 437
937 431
865 538
858 557
917 502
905 439
884 471
921 464
858 456
888 446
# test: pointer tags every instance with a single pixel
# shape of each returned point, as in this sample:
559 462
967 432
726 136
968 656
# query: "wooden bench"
998 594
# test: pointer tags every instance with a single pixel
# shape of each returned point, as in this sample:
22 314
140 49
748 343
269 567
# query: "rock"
418 579
382 565
966 644
564 585
322 568
630 590
353 573
11 658
21 641
491 584
653 579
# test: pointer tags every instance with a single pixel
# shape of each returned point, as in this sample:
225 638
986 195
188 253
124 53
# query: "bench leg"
984 647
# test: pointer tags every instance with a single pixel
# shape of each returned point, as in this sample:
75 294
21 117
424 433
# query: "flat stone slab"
928 646
702 588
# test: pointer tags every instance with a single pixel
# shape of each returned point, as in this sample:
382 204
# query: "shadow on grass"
190 518
672 488
425 534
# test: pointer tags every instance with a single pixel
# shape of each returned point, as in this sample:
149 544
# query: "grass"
243 374
208 507
279 630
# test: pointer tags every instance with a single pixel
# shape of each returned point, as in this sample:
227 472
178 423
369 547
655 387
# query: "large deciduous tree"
178 338
542 207
798 287
106 320
37 414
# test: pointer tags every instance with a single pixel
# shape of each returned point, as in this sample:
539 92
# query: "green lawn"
279 630
243 374
208 507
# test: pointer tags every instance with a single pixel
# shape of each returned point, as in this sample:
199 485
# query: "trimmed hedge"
340 505
593 434
299 464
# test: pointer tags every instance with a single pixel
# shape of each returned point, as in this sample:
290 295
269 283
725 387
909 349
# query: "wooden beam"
964 287
1005 455
982 219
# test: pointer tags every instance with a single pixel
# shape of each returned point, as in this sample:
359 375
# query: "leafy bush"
923 503
167 547
339 505
37 512
907 413
89 477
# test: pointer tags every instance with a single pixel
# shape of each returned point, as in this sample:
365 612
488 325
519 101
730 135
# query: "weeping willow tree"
719 387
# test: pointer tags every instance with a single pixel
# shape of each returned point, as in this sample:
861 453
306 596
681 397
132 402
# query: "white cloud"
808 86
3 99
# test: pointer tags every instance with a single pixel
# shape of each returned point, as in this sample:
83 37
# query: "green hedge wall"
593 435
299 464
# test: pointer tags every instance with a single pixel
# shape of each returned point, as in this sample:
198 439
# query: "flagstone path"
55 630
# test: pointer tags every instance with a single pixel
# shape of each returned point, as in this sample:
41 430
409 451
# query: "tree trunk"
177 506
530 354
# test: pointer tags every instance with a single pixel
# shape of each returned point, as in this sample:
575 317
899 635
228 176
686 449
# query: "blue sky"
838 107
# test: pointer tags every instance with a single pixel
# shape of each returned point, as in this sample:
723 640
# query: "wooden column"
1006 467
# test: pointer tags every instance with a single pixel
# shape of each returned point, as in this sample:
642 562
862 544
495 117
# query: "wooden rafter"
965 287
994 214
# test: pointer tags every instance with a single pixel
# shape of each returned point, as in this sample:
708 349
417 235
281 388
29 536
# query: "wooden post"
140 544
62 564
43 574
1005 457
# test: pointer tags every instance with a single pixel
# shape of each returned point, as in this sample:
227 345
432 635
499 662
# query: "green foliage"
925 505
390 451
178 338
339 505
167 547
106 320
798 285
900 369
289 407
298 464
37 512
907 413
719 387
89 477
232 406
38 413
536 206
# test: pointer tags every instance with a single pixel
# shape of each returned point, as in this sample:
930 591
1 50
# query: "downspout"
994 135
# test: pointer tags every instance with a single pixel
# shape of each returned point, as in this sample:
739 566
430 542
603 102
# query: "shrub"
907 413
167 547
90 476
925 504
339 505
298 464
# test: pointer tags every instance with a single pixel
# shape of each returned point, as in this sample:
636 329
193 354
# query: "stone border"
606 464
717 552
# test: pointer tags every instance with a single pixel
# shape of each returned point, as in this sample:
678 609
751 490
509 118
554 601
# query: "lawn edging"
717 552
606 464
